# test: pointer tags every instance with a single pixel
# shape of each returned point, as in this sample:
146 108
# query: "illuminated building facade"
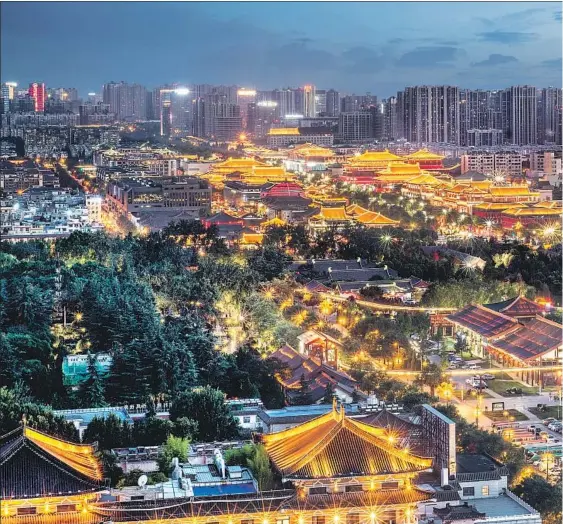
37 93
245 97
261 117
8 94
309 101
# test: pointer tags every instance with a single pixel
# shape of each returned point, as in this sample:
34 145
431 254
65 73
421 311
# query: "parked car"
554 425
549 420
472 366
487 376
533 428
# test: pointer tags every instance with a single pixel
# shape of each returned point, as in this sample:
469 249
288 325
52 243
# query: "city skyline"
265 46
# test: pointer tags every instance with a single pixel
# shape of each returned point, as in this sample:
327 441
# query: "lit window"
485 491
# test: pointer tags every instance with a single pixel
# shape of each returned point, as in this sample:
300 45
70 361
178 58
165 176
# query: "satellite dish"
142 481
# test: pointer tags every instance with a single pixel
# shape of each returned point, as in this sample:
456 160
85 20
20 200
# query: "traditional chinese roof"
283 131
331 214
498 206
355 210
315 286
518 307
425 180
511 191
374 156
454 513
252 238
532 211
401 168
268 171
238 164
483 321
223 218
424 154
371 218
334 445
550 204
34 464
532 340
311 150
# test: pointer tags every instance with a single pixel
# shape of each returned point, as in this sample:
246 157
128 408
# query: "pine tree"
92 390
303 397
329 394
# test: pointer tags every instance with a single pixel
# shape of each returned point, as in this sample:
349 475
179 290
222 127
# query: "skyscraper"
8 94
332 103
430 114
520 116
37 92
320 102
549 130
245 97
127 101
390 130
309 102
261 117
473 112
285 99
355 125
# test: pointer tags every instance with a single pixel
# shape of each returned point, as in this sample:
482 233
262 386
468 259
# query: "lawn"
470 395
500 387
499 416
550 411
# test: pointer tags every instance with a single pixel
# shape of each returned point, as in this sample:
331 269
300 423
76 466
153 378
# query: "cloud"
553 62
507 37
494 60
363 60
431 56
299 56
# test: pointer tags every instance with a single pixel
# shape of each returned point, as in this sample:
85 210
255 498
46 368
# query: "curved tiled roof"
334 445
33 464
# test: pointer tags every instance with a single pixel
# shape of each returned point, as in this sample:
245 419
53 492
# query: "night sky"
353 47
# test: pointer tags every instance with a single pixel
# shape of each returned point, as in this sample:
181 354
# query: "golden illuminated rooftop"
424 154
283 131
334 445
401 168
532 211
426 180
551 204
331 214
372 218
498 206
311 151
523 190
374 156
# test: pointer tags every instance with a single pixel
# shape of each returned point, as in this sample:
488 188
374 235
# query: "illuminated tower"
37 92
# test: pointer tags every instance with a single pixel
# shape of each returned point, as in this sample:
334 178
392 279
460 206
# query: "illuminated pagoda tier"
47 478
374 161
343 459
341 216
311 153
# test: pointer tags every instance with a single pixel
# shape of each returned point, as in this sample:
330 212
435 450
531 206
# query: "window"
65 508
485 491
353 518
284 520
318 491
319 519
137 497
246 420
389 485
27 511
469 492
351 489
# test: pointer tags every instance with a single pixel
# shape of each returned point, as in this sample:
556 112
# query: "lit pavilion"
426 160
372 161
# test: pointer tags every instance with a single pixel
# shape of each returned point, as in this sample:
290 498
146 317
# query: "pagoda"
46 478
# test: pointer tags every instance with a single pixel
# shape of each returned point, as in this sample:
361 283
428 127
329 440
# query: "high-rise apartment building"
473 113
309 101
355 126
520 115
261 118
245 97
430 114
390 129
320 102
285 98
352 103
37 92
127 101
332 103
550 116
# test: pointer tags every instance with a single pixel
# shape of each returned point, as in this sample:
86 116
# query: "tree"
431 376
254 457
269 262
109 432
92 389
175 447
208 408
303 396
537 492
329 394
